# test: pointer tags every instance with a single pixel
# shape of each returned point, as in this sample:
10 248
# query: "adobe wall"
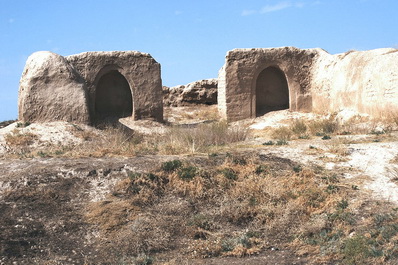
366 82
237 79
54 87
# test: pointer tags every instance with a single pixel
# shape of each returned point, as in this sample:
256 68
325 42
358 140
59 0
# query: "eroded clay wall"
57 88
364 81
237 94
141 71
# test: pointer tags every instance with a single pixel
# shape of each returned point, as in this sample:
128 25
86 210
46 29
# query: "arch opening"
272 91
113 98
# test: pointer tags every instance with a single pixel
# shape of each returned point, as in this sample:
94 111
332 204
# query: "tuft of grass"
299 128
283 133
323 127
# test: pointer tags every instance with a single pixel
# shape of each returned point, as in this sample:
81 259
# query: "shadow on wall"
113 98
272 91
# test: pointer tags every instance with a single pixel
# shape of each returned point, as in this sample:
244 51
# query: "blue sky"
188 38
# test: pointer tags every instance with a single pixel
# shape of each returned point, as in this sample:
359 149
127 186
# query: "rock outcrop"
199 92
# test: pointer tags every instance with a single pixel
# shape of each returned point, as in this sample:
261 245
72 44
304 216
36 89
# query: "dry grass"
200 138
119 141
20 144
338 146
240 207
16 138
191 113
283 133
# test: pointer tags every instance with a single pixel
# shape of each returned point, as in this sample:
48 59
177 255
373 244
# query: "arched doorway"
272 91
113 98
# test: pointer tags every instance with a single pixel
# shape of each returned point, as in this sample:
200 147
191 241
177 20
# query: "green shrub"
22 124
229 173
343 204
133 175
356 250
261 169
282 142
297 169
171 165
268 143
43 154
187 173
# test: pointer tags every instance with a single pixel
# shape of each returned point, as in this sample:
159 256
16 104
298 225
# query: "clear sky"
188 38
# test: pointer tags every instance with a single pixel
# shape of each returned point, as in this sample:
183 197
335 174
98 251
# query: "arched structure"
90 87
121 84
113 97
253 82
272 91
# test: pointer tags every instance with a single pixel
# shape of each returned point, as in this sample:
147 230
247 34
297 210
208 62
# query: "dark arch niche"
272 91
113 98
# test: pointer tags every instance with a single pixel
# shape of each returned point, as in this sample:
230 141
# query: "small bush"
43 154
297 169
133 175
356 250
343 204
322 127
23 124
187 173
239 160
261 169
326 137
269 143
201 221
171 165
282 142
229 173
299 128
282 133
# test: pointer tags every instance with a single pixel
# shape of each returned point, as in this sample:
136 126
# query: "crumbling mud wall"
90 87
364 81
253 82
243 75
